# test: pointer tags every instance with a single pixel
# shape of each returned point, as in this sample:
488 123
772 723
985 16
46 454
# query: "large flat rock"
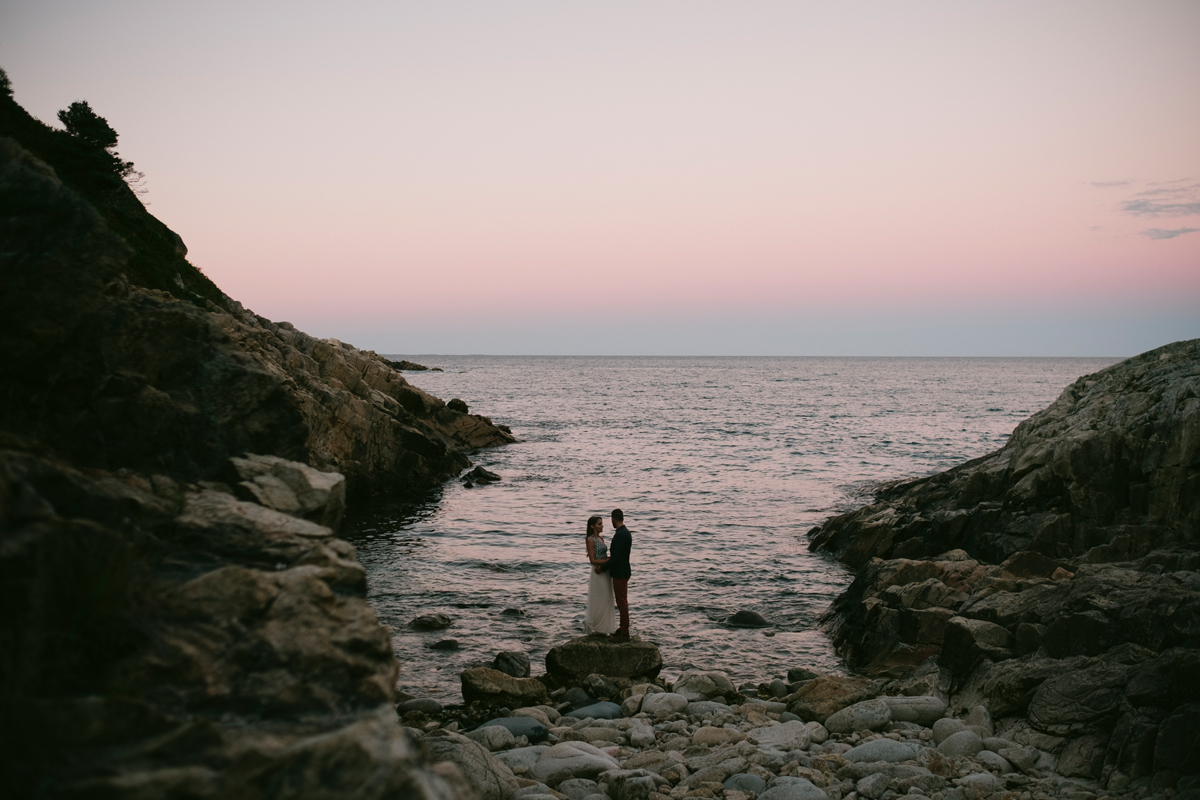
596 655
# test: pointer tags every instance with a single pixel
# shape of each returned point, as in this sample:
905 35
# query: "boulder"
792 788
512 663
291 487
829 693
881 750
923 710
963 743
966 641
431 622
493 686
664 703
745 618
867 715
532 729
487 776
521 758
492 737
703 685
629 784
573 661
601 710
571 760
792 735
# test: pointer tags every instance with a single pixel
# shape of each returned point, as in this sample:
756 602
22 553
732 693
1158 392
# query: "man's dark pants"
621 593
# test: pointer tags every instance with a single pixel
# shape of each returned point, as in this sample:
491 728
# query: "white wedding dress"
601 616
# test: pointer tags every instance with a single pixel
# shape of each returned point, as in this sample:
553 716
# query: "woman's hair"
591 521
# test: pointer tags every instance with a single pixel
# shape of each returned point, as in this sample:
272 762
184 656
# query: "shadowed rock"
573 661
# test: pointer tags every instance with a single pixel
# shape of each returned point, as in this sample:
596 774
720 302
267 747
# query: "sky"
660 178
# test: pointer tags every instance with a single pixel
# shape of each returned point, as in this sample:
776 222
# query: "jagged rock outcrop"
1056 581
113 376
1108 472
161 638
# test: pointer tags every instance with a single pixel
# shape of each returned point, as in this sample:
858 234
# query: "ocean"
721 465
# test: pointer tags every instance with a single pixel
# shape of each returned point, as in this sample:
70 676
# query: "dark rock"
495 687
457 405
431 622
521 726
830 693
601 710
512 663
426 705
481 476
512 612
969 640
407 366
800 674
573 661
1177 745
577 697
445 644
1111 458
745 618
601 687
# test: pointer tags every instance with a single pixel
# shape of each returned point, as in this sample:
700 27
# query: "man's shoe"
620 636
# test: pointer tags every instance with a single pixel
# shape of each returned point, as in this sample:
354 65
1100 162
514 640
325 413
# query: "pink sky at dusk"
661 178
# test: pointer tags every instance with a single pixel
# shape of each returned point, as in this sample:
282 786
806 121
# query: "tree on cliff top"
5 84
89 127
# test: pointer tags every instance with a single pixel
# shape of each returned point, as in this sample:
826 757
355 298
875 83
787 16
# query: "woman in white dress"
601 616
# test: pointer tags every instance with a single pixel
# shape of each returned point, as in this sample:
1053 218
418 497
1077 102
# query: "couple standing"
610 578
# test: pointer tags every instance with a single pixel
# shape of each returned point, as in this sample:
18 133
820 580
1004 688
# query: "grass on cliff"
98 175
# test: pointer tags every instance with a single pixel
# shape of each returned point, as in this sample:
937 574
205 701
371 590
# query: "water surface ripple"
721 466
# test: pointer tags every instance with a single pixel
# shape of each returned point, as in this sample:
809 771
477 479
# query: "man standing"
618 568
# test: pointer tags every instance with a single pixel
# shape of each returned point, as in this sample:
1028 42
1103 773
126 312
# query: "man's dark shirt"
618 553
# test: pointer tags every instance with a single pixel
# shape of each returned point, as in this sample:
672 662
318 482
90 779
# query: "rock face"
179 618
155 630
113 376
1056 581
588 655
1106 473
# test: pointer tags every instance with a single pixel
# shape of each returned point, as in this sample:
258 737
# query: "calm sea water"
721 465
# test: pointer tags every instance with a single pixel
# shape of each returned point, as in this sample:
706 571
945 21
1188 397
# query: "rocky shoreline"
180 619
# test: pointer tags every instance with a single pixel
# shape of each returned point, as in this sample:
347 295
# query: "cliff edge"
1055 582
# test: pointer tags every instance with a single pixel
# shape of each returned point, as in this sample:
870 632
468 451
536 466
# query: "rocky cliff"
179 619
111 375
1056 581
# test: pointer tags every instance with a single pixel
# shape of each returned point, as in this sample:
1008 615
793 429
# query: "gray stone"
783 736
641 736
963 743
873 786
794 788
426 705
601 710
745 782
664 703
700 708
882 750
493 737
491 778
979 716
981 783
703 685
629 784
922 784
528 727
431 622
946 727
522 758
571 760
867 715
746 618
578 788
1023 758
994 762
923 710
512 663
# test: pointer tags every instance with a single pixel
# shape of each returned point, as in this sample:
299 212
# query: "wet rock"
426 705
431 622
573 661
512 663
744 618
444 644
493 686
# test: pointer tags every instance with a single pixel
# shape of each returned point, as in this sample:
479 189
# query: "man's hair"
617 516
